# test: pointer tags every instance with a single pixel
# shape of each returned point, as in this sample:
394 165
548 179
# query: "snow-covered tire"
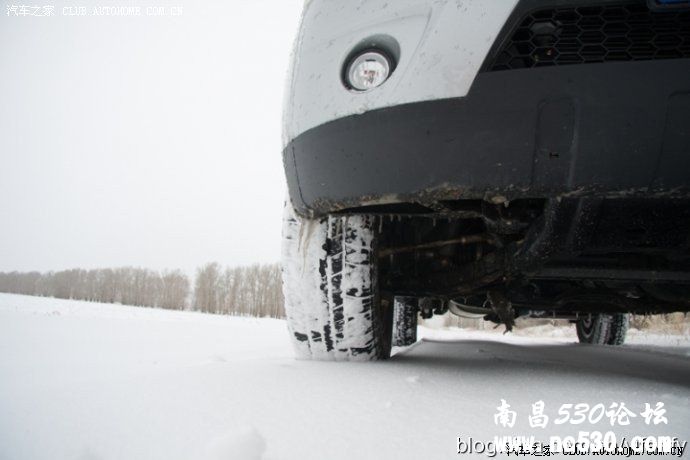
620 322
603 329
594 329
332 302
405 312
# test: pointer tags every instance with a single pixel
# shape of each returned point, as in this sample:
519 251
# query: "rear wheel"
603 329
332 301
594 329
619 328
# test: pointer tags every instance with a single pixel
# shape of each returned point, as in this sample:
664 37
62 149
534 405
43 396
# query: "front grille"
628 31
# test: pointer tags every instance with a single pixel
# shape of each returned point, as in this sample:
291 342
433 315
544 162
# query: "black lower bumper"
612 129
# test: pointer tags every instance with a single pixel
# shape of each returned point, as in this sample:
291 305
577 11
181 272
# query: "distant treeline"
253 290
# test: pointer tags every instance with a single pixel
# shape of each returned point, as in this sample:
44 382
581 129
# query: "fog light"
368 70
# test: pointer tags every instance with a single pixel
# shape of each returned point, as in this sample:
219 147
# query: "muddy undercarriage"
560 258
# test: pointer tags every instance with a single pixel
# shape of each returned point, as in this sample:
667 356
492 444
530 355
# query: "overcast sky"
144 141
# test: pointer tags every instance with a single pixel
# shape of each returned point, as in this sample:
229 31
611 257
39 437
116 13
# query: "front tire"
330 282
405 311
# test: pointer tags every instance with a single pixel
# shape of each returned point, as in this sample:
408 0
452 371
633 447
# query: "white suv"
493 158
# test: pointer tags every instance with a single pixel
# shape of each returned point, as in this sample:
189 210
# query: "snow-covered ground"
89 381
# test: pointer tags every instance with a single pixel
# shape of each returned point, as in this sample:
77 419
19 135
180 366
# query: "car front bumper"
612 129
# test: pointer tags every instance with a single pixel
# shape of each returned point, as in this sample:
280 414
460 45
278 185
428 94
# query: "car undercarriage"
559 258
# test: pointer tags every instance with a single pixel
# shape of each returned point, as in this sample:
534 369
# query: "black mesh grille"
628 31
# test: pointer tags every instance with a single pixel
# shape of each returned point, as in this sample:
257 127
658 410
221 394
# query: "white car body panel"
443 44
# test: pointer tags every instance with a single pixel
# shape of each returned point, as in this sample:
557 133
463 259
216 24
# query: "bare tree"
249 291
174 290
207 288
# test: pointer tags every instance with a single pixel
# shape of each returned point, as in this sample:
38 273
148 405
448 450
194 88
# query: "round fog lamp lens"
368 71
